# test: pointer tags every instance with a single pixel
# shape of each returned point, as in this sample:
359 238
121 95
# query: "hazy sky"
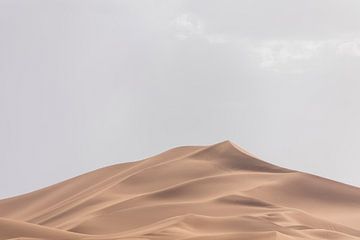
85 84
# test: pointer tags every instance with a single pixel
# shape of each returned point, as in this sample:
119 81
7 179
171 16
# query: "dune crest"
187 193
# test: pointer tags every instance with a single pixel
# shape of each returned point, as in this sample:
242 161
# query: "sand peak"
211 192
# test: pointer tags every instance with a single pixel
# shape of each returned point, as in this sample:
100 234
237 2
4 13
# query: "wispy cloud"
279 55
187 25
351 48
276 54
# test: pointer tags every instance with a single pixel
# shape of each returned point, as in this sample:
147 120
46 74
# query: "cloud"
350 48
282 55
187 25
278 53
216 38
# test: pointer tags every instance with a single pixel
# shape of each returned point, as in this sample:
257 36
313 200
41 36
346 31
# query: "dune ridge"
187 193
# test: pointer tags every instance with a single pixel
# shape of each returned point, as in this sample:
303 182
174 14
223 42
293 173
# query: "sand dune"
188 193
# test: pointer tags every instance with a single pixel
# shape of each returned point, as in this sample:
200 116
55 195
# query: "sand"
189 193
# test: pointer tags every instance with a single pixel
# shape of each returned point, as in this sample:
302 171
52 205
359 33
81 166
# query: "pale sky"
85 84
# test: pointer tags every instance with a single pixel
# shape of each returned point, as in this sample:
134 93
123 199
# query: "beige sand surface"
189 193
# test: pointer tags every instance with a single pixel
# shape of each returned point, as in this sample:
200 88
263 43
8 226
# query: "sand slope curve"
187 193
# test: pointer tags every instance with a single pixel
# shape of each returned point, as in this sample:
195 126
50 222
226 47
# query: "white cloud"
278 55
216 39
351 48
275 54
187 25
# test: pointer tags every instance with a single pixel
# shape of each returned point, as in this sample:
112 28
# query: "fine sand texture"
217 192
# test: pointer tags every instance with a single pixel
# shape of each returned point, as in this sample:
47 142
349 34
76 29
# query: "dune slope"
188 193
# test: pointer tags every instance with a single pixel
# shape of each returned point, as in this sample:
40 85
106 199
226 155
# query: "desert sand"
189 193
